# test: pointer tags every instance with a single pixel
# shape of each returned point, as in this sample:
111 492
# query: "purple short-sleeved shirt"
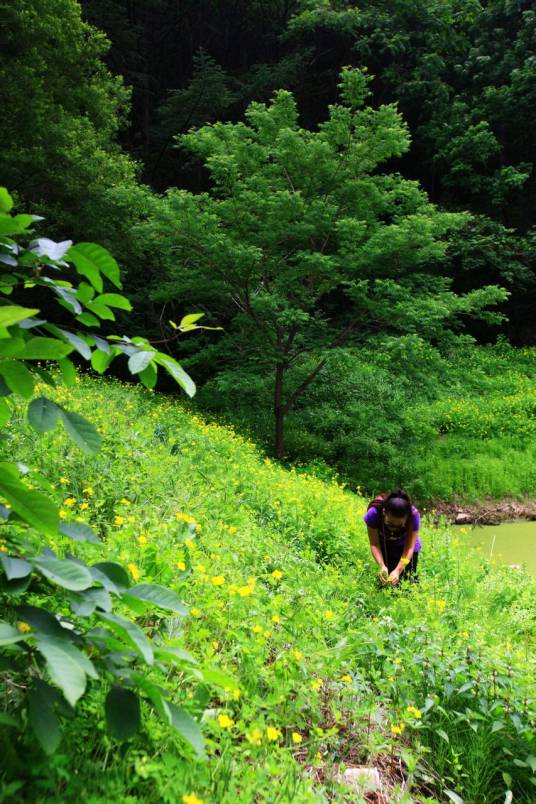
372 519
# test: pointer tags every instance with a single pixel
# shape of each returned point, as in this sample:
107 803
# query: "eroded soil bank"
486 512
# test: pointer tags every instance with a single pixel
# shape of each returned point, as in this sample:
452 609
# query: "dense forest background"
101 97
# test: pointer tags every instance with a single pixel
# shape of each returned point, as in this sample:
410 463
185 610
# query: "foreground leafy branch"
68 624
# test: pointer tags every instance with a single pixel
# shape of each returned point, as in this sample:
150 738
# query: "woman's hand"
394 576
383 575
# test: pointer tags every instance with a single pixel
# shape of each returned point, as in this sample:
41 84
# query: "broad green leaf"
187 727
91 260
79 531
64 572
68 371
130 633
88 320
5 412
158 596
189 320
43 414
43 719
11 314
178 373
17 377
114 300
8 720
15 567
45 349
43 621
139 361
101 310
8 634
100 361
45 375
170 653
81 431
84 604
122 713
6 202
115 573
13 347
154 693
79 343
33 507
148 376
85 292
65 670
219 678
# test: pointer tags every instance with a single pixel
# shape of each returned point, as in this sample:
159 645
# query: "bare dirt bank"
487 512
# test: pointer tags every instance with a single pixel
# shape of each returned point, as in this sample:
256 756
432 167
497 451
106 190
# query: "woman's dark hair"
397 503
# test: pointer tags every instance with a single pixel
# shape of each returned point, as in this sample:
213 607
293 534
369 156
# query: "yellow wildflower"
255 737
142 540
316 684
397 729
297 654
244 591
63 514
218 580
119 520
69 502
232 529
225 721
124 501
346 678
236 695
63 481
24 627
415 712
267 634
134 571
328 614
181 565
88 491
277 574
296 738
273 734
195 612
84 506
257 629
191 798
276 618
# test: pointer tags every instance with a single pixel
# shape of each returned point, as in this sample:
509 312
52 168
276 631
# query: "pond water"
508 543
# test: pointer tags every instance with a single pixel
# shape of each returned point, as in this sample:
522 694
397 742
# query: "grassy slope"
283 596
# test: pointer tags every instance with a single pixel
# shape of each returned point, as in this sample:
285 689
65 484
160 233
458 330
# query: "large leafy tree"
308 237
62 112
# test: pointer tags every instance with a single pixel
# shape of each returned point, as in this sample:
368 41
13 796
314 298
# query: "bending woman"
393 526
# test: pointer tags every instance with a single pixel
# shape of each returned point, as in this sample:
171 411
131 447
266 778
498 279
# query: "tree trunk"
279 411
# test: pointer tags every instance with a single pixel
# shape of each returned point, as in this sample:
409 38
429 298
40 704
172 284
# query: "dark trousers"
392 553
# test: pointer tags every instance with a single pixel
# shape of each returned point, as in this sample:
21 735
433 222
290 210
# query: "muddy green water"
509 543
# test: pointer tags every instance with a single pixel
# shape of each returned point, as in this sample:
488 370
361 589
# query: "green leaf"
64 669
116 573
45 349
13 347
148 376
15 567
189 320
43 414
8 634
139 361
5 412
88 320
178 373
33 507
443 735
13 313
187 727
64 572
130 633
8 720
79 531
170 653
85 604
122 713
157 595
79 343
101 310
100 361
114 300
6 202
68 371
17 377
81 431
219 678
43 719
91 260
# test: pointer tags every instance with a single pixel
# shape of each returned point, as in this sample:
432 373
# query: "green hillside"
304 666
